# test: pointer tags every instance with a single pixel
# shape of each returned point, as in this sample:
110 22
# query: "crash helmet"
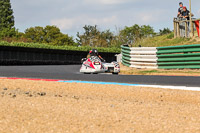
94 52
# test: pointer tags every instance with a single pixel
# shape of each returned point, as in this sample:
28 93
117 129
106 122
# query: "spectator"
180 10
185 14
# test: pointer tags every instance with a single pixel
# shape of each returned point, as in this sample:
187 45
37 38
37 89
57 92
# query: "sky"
71 15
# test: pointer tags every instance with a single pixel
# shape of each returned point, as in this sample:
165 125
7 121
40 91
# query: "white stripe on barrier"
143 63
144 49
143 60
143 52
144 56
145 67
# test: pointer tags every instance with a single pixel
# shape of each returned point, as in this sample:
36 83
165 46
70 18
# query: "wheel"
115 73
87 73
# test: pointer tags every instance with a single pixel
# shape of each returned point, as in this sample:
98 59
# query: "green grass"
47 46
165 40
185 72
148 71
168 71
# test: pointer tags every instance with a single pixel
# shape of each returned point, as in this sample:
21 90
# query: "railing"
172 57
179 57
142 57
182 27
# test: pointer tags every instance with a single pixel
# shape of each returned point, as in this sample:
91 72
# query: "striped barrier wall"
179 57
142 57
171 57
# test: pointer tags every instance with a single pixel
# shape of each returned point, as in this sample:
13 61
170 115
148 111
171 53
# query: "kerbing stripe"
139 85
111 83
101 83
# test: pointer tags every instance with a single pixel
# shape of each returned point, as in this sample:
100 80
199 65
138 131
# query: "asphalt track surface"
71 72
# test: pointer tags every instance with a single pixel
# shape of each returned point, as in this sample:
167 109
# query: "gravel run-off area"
52 107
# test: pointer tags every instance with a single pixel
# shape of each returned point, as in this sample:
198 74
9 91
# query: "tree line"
52 35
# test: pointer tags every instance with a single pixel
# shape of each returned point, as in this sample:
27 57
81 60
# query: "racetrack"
71 72
30 105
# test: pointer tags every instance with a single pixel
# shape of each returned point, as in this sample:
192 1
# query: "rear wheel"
115 73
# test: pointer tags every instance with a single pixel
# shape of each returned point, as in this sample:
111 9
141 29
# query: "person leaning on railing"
185 14
180 9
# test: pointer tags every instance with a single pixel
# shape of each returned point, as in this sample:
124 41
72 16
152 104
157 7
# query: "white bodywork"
112 67
95 65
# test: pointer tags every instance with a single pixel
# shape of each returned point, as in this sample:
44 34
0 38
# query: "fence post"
178 29
193 28
175 30
186 29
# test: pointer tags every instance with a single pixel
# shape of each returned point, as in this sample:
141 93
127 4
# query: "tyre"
87 73
115 73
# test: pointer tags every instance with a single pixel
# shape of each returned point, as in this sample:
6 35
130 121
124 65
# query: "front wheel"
94 73
87 73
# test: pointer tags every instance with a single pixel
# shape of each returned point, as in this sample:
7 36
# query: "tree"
130 34
6 19
89 37
165 31
147 31
37 34
94 37
135 33
49 35
63 39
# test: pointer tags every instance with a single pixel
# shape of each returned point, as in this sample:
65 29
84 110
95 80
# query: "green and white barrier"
144 57
172 57
179 57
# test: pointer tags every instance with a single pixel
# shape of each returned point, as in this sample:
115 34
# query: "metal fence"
182 27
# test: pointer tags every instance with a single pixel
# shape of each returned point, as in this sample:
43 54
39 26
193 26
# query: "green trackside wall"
179 57
126 56
172 57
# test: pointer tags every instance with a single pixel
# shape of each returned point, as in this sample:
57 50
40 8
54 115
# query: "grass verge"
177 72
166 40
